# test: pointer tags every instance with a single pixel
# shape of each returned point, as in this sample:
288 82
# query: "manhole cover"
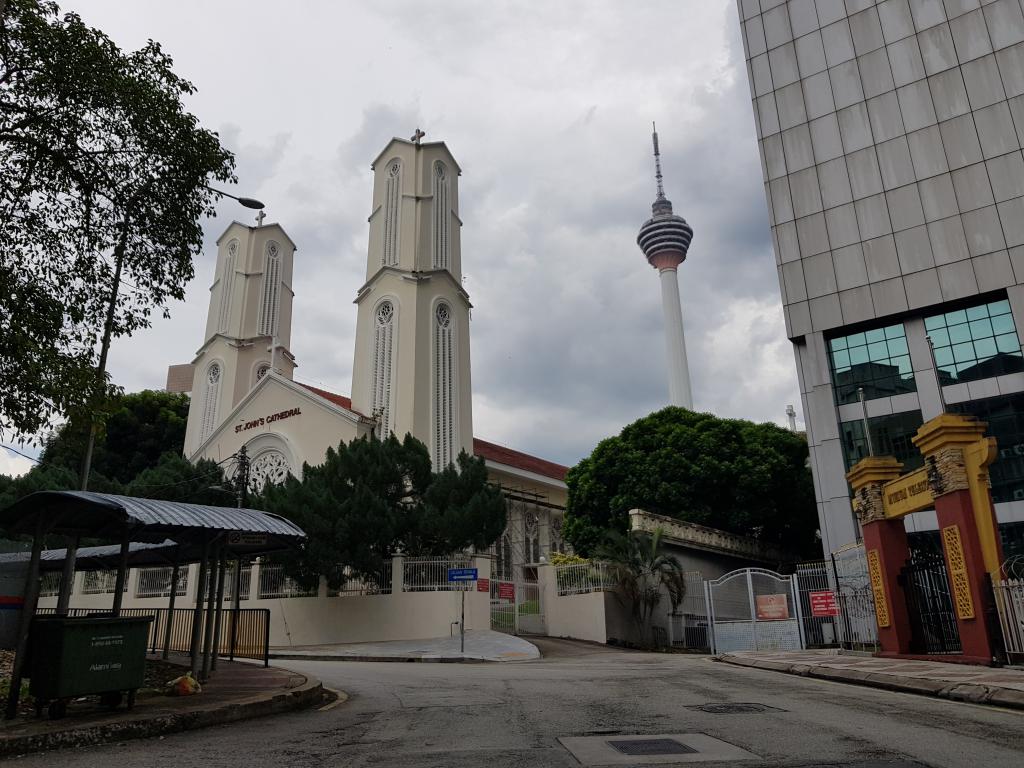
651 747
734 708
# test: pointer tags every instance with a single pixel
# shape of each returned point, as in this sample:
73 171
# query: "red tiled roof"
496 453
502 455
344 402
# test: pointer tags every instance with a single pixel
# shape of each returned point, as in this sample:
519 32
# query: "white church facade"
411 363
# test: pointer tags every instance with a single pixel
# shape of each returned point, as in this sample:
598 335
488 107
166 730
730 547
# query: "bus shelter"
177 533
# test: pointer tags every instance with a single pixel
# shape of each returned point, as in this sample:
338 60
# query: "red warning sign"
823 603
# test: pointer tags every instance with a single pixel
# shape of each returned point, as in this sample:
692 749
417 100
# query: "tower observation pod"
665 238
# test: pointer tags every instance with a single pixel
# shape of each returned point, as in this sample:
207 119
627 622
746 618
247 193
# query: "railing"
156 582
274 584
356 586
688 626
49 585
1010 604
251 641
430 574
100 582
229 583
583 578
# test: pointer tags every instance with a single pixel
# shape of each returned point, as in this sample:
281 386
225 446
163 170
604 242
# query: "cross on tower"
418 135
259 218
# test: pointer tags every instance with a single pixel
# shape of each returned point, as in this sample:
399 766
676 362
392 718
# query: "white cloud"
548 113
12 464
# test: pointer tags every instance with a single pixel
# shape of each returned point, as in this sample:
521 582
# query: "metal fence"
430 574
156 582
250 641
274 584
229 583
100 582
49 584
815 577
857 626
1009 596
582 578
355 586
688 625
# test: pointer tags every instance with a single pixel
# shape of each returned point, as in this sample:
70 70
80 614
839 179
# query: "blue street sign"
462 574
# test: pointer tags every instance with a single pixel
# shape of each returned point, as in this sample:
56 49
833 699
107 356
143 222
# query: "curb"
973 693
310 692
397 659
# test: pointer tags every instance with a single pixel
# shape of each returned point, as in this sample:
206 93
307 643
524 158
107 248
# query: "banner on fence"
823 603
507 591
483 585
772 607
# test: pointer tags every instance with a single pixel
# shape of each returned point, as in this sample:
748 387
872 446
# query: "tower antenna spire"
657 161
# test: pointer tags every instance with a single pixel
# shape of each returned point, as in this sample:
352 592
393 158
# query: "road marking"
342 697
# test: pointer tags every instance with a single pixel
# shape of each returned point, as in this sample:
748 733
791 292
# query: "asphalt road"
511 714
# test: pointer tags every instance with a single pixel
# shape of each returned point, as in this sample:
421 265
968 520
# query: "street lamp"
64 595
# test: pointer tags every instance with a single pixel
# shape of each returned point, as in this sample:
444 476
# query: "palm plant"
640 571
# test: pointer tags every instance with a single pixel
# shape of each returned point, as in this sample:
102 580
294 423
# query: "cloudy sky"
547 107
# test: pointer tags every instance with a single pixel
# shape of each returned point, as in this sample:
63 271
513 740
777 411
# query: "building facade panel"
890 136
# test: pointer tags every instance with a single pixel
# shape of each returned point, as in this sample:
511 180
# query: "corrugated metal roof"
96 558
104 514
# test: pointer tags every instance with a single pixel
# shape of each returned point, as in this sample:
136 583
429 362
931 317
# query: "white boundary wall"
579 616
326 620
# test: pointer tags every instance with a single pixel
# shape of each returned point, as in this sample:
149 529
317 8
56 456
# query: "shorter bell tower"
248 325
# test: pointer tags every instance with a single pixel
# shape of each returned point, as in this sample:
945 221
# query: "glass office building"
890 135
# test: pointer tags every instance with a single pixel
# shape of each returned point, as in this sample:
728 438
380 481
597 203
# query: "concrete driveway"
530 713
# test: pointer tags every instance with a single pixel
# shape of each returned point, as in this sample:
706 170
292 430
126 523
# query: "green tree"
174 478
641 572
372 498
138 429
103 178
731 474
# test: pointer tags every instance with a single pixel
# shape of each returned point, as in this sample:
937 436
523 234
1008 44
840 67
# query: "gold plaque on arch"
909 493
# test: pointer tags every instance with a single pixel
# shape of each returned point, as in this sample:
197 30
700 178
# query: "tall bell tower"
248 325
411 368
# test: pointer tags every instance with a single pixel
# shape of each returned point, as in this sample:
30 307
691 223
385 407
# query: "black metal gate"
932 620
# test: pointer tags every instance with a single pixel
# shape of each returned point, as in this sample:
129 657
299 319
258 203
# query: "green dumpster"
85 655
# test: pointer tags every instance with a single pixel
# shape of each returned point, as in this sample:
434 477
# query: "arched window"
270 466
444 387
442 218
227 282
383 349
392 214
261 370
270 303
210 400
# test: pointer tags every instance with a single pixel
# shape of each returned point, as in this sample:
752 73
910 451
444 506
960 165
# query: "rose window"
270 466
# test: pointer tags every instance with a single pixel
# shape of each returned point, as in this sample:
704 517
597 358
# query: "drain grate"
651 747
734 708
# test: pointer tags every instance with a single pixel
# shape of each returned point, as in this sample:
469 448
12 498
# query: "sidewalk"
237 691
981 685
481 645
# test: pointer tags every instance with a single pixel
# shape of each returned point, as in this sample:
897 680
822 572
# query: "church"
411 362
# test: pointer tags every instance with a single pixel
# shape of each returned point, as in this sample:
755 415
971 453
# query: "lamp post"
68 574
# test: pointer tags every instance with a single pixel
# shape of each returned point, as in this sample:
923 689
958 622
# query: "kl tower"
665 238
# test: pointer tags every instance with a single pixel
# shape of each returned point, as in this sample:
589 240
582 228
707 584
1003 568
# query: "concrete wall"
581 617
328 620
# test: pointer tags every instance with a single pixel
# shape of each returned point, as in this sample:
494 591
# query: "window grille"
442 218
444 385
211 399
271 302
392 214
100 582
156 582
227 280
383 350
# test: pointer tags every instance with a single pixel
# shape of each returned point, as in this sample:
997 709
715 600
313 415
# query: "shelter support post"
211 600
886 549
28 609
175 573
67 579
218 619
197 613
122 573
237 613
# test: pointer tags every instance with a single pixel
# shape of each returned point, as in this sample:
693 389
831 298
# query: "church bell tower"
411 370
